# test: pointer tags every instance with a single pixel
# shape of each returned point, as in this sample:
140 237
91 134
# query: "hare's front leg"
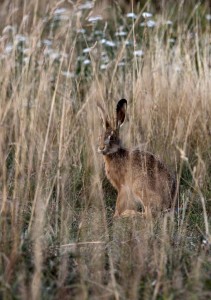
124 201
119 206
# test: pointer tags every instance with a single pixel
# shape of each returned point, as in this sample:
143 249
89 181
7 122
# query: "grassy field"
58 238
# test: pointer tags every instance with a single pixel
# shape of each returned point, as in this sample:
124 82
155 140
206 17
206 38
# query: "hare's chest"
114 175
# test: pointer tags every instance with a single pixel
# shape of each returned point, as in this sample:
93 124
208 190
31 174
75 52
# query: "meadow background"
57 235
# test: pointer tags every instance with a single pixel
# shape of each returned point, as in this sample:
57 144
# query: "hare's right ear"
120 112
103 116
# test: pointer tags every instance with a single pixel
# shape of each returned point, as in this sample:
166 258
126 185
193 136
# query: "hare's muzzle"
101 149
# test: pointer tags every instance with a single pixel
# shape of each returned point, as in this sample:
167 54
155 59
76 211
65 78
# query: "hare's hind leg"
150 201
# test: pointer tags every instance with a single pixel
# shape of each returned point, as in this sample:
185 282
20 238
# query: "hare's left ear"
120 112
104 116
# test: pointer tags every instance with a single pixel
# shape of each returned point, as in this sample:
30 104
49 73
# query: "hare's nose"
101 149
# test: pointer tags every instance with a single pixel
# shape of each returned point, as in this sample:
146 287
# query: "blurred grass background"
58 237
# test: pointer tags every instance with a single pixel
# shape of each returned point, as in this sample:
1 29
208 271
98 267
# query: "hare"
139 177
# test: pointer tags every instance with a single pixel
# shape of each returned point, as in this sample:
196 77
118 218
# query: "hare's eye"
111 136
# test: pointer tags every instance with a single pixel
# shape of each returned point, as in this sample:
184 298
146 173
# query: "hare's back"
147 161
146 165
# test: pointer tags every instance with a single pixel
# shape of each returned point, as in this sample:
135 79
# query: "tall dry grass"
58 237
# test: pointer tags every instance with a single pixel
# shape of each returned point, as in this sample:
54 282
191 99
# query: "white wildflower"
87 62
94 19
131 15
146 15
138 53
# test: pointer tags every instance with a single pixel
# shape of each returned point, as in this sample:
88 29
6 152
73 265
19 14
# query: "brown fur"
138 176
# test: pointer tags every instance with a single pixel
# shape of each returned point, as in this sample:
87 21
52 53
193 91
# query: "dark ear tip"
121 103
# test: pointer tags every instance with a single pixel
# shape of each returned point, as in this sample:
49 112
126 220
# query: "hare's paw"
131 213
116 214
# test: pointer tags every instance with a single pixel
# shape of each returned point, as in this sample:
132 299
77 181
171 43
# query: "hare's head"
109 141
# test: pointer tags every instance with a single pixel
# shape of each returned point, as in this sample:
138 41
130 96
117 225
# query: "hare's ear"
103 116
120 112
